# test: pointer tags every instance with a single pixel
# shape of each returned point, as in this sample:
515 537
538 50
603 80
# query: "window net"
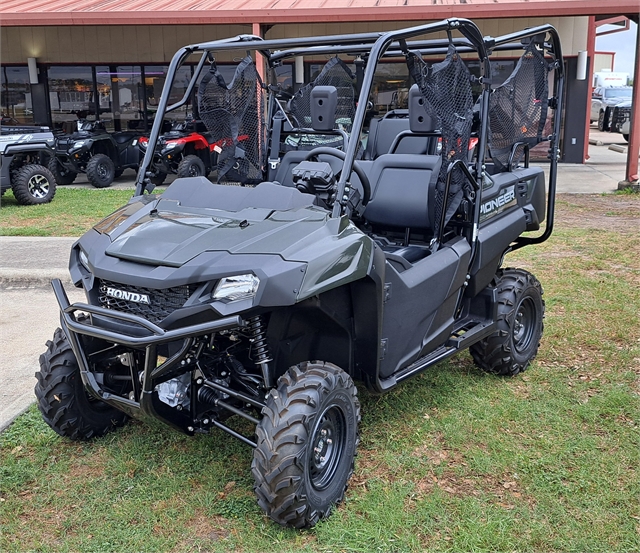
234 116
518 108
446 88
334 73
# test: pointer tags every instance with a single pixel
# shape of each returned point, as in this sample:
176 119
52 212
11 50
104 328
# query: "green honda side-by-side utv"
340 244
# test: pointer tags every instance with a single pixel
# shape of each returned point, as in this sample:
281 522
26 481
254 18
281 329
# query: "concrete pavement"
29 313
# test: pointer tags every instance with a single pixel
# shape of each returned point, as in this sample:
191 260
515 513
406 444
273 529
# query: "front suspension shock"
260 348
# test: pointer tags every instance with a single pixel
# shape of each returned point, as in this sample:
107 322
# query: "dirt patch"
620 213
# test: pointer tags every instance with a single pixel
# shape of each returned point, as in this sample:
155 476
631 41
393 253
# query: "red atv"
185 150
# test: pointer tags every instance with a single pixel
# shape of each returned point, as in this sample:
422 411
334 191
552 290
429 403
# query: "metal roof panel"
157 12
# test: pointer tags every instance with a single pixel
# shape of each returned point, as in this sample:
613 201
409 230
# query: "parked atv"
103 156
25 152
186 150
266 303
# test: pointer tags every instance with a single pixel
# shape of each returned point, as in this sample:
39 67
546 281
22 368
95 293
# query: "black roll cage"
373 47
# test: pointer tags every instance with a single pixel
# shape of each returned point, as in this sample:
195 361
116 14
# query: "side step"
468 334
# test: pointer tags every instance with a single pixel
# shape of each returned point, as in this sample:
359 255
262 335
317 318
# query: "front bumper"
153 337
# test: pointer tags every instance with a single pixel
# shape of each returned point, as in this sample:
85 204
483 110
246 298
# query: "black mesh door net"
234 115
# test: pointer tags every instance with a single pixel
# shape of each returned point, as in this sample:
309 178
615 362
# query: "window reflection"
15 96
71 96
154 78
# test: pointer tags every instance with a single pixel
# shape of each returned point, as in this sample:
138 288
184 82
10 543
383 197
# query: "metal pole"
631 176
591 53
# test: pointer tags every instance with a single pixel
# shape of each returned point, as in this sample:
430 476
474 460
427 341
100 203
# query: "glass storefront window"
71 96
390 88
15 96
284 76
155 77
121 96
105 101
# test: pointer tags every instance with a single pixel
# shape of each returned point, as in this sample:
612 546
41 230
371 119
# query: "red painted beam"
591 53
634 134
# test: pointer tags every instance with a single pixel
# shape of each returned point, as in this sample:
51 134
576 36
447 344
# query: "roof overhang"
217 12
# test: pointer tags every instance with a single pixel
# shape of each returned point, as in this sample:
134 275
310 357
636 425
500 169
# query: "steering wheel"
364 180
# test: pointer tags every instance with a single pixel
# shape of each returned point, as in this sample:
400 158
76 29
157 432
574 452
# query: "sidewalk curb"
7 423
32 278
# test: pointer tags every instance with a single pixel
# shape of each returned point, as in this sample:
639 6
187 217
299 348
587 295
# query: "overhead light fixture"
33 70
581 70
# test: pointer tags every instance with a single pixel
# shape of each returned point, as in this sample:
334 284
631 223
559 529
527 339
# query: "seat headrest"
419 118
324 102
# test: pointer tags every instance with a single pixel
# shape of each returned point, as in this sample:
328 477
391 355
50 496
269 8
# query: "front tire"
101 171
510 349
62 175
33 184
306 443
62 400
191 166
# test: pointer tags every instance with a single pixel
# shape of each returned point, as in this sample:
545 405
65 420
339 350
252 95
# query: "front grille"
620 117
161 302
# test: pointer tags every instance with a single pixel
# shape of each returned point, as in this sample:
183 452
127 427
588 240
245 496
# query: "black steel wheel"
306 444
510 349
62 175
101 171
191 166
62 400
33 184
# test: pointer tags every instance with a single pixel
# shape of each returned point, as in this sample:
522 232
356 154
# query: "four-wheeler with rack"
25 151
215 307
186 150
102 155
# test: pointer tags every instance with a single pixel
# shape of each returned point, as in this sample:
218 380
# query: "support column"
256 29
631 177
298 80
591 55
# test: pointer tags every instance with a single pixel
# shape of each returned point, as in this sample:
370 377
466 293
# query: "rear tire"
306 443
62 175
510 349
33 184
191 166
101 171
64 403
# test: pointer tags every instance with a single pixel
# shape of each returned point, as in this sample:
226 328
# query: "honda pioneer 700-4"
368 262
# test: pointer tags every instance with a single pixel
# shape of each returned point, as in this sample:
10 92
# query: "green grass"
456 460
72 212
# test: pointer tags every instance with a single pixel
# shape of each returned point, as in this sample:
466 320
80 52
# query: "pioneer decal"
127 296
505 199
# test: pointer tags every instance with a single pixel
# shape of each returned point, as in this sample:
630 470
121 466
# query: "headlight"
170 145
78 144
238 287
84 260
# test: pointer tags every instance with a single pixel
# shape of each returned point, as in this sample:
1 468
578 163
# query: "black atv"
213 303
103 156
25 152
